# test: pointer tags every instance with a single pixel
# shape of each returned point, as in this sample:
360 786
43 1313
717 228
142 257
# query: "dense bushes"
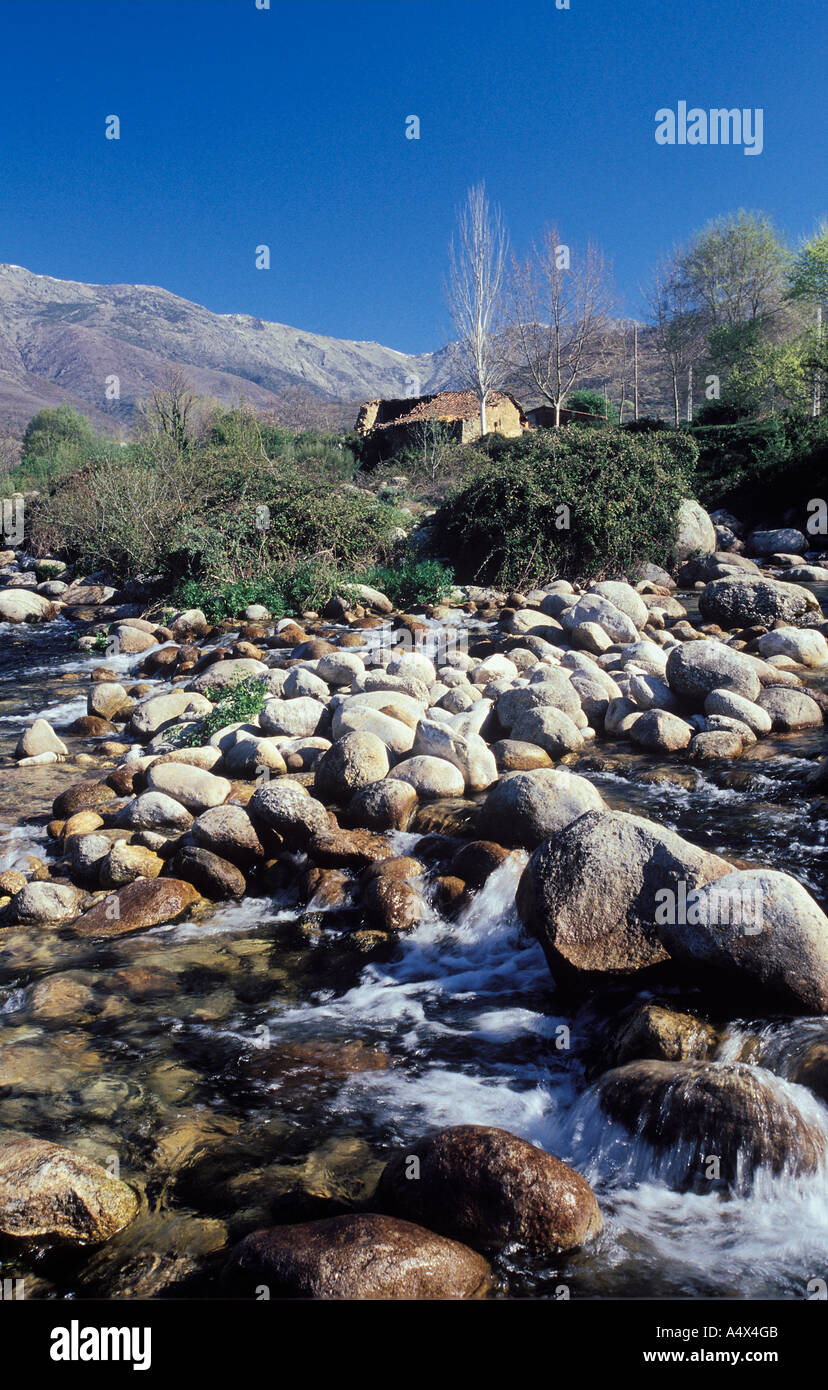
572 503
761 469
204 516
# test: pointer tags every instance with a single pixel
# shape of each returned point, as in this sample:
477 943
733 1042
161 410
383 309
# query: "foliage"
571 503
234 704
762 468
413 582
590 402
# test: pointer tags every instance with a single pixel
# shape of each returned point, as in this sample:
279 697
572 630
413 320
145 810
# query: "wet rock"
213 876
62 999
590 893
430 777
386 805
82 795
738 602
790 709
348 849
391 905
489 1188
811 1070
525 808
714 745
655 1031
729 1110
357 760
288 809
148 902
40 737
11 882
47 1191
757 927
696 668
357 1257
476 861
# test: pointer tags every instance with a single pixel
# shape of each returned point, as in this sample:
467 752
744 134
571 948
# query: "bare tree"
678 325
559 313
477 272
168 409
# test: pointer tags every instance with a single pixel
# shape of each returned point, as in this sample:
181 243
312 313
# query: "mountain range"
60 340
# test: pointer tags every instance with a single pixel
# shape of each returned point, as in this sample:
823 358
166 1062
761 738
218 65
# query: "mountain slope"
61 339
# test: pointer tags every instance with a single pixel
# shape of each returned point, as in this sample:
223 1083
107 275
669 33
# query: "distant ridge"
61 339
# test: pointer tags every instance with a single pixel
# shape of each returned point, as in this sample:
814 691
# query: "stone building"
389 426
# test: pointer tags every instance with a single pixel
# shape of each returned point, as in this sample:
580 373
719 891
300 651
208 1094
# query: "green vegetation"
762 468
569 503
234 704
413 582
592 403
246 508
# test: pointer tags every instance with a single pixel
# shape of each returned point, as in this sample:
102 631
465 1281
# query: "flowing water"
253 1066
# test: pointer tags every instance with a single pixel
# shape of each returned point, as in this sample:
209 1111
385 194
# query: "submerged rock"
47 1191
735 1113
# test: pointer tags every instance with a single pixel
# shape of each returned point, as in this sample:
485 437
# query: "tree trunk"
483 414
557 415
676 405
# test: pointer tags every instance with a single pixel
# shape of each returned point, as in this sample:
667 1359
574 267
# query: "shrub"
762 468
571 503
234 704
413 582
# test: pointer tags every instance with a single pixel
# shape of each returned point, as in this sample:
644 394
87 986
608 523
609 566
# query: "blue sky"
286 126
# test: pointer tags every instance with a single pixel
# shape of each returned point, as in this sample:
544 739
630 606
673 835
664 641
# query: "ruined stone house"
388 426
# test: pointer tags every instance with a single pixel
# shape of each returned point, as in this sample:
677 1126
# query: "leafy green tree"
736 270
52 429
590 402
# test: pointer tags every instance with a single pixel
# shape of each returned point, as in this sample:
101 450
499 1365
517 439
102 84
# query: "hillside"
60 340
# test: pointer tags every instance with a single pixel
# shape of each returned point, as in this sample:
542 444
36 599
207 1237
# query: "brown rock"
489 1188
391 905
148 902
52 1192
81 796
357 1257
